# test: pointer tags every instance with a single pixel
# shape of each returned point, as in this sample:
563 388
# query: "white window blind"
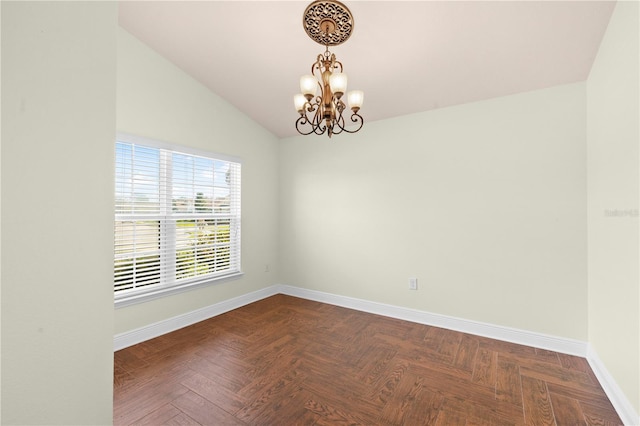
177 219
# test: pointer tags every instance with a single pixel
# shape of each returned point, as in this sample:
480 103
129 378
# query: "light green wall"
0 218
58 116
158 100
613 194
484 203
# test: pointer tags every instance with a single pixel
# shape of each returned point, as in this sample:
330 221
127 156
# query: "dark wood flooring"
290 361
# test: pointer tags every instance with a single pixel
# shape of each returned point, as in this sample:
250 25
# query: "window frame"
165 217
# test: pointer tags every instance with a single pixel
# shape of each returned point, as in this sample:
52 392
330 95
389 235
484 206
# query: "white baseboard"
522 337
558 344
625 410
139 335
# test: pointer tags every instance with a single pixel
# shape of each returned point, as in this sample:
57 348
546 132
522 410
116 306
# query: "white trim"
127 298
130 338
623 406
513 335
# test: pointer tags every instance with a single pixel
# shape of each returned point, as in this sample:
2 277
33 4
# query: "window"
177 219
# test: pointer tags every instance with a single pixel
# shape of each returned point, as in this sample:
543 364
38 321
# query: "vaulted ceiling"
407 57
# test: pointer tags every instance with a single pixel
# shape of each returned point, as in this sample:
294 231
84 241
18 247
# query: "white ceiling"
406 56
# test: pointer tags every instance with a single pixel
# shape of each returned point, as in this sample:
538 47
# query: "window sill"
143 296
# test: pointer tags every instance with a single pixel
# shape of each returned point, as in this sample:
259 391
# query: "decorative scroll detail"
306 126
328 14
326 62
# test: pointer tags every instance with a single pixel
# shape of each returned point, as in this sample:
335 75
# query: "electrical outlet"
413 283
266 267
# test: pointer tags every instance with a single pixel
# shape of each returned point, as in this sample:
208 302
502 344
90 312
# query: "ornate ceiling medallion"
328 22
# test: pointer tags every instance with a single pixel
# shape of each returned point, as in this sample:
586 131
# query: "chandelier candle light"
329 23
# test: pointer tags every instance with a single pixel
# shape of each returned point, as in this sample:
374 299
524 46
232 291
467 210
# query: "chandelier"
321 105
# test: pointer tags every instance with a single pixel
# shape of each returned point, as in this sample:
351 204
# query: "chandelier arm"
338 124
340 129
355 118
302 123
316 125
319 128
317 119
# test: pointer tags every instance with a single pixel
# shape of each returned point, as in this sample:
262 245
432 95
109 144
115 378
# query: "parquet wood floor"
290 361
